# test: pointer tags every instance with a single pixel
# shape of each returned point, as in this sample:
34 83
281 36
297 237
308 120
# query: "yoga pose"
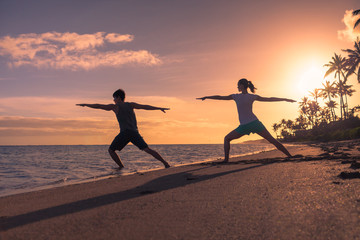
128 126
249 123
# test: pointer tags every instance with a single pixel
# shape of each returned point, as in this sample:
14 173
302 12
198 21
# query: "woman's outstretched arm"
274 99
216 97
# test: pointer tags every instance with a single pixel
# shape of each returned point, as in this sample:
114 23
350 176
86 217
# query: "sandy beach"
263 196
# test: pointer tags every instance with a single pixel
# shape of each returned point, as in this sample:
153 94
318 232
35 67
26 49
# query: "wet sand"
263 196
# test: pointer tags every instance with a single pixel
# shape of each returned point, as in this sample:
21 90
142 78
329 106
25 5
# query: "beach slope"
262 196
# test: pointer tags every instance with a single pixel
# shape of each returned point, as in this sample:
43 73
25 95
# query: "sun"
310 77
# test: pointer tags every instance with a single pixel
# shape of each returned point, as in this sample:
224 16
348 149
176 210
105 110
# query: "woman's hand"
164 109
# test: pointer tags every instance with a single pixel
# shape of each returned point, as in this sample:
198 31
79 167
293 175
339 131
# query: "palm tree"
290 126
325 115
328 91
354 109
282 126
347 91
344 90
275 127
332 105
353 60
316 94
301 122
310 110
283 123
305 110
340 91
339 67
304 102
313 113
356 12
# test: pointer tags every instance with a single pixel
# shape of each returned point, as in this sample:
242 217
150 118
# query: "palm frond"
356 12
350 71
329 71
357 23
357 45
348 51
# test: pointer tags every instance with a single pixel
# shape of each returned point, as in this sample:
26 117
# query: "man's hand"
202 98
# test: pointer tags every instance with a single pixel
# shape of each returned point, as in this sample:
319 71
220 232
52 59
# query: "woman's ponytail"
251 86
247 84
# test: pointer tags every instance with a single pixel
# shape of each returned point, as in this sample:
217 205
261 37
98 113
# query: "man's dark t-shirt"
126 117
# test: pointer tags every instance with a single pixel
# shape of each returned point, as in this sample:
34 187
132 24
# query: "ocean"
30 168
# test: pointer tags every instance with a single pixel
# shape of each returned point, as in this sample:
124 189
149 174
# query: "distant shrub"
354 133
340 130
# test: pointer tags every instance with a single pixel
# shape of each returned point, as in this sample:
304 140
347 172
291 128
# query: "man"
128 126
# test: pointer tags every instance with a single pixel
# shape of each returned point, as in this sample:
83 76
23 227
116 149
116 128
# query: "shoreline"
118 174
275 197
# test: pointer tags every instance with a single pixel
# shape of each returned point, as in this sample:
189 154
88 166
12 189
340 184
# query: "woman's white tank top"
244 103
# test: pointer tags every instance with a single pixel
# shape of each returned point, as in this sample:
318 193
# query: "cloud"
51 120
39 106
114 38
56 123
151 123
71 51
65 107
156 100
22 127
349 33
30 126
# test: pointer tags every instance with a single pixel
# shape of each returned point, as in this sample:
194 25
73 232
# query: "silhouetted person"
128 126
249 123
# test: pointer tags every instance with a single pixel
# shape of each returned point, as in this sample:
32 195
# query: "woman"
249 123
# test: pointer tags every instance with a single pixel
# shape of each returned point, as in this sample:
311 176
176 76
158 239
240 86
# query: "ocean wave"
27 168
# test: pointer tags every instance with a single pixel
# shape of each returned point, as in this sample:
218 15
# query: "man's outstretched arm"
107 107
217 97
148 107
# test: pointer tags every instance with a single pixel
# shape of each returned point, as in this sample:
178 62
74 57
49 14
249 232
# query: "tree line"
317 119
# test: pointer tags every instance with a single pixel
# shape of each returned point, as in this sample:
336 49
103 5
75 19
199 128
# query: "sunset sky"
55 54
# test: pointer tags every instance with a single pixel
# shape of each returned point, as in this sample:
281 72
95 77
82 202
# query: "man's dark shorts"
126 136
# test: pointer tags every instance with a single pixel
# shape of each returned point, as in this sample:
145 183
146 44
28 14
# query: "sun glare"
311 77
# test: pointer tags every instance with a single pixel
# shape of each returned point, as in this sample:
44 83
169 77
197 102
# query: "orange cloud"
48 120
71 51
65 107
31 130
349 33
40 106
56 123
27 126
